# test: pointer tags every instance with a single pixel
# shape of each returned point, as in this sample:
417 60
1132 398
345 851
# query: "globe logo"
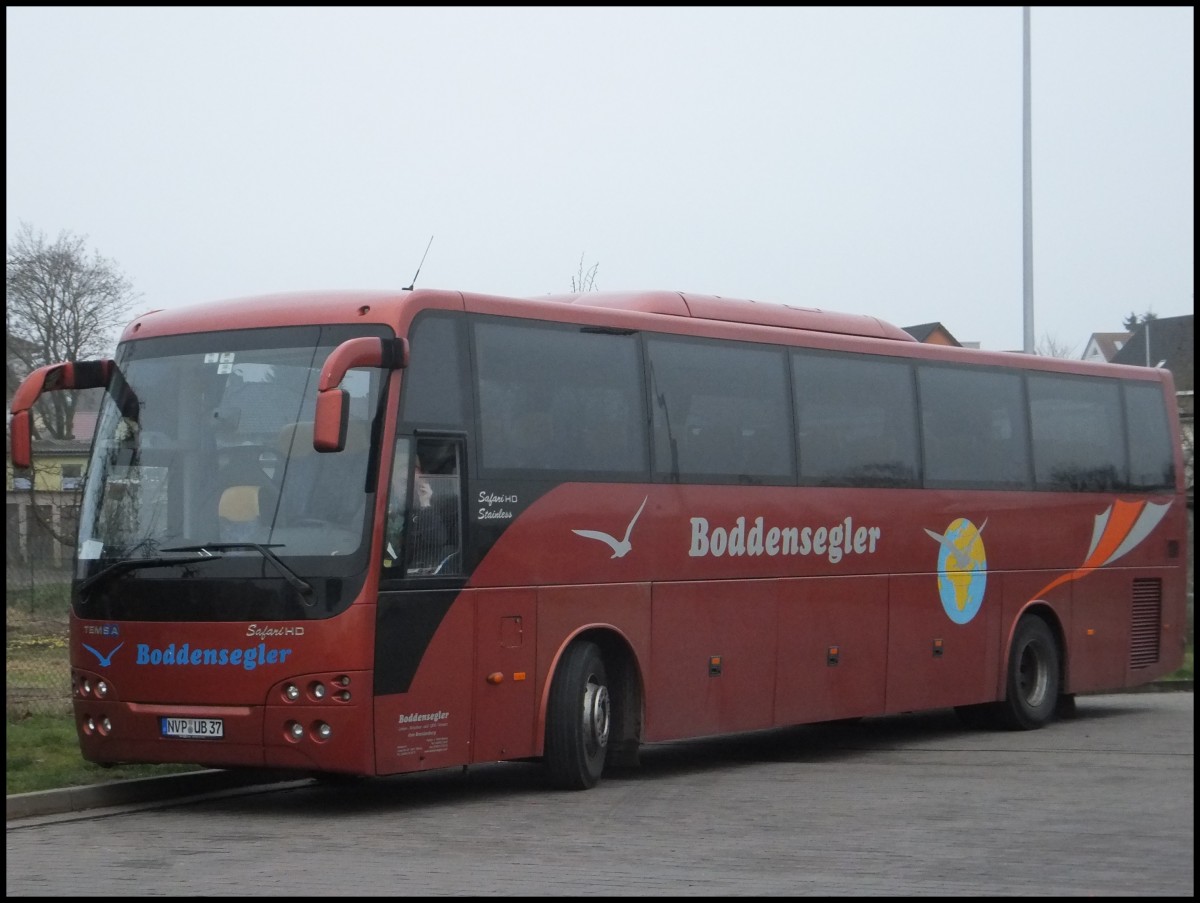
962 569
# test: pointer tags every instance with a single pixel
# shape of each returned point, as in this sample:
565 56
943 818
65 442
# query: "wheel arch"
1045 611
626 686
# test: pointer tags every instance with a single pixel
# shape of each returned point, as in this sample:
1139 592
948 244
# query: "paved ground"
1100 805
171 788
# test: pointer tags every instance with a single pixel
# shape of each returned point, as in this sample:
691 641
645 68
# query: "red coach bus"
375 533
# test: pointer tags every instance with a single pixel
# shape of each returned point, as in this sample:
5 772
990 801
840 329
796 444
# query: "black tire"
1033 677
578 717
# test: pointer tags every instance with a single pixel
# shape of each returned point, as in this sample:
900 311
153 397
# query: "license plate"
194 728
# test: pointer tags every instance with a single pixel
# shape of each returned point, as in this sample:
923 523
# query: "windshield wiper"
137 564
304 588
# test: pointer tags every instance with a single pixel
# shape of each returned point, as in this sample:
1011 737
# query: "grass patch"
52 599
1185 671
43 754
39 664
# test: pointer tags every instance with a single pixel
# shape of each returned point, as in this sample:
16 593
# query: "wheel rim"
1033 676
596 711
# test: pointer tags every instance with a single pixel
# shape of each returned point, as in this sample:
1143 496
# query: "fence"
40 525
37 673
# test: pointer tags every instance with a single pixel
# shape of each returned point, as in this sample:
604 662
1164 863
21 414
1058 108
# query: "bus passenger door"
424 620
504 703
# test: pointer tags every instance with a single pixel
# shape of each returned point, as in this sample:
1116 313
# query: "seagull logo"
105 660
620 547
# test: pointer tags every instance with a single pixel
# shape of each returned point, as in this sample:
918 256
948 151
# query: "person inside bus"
420 533
247 497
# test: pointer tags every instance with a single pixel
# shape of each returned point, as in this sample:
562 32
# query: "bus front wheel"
1033 677
577 719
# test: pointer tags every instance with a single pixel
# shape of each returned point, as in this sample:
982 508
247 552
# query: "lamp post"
1027 172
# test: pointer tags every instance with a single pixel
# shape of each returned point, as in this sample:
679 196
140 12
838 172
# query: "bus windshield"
203 453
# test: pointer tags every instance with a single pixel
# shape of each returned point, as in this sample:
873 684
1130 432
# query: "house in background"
31 519
933 334
34 519
1163 342
58 465
1103 346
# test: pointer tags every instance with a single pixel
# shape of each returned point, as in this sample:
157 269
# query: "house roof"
1170 341
925 331
1107 344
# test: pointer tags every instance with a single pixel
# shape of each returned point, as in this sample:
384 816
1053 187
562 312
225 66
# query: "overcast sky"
859 160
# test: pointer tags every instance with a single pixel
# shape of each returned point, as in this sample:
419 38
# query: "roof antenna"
419 265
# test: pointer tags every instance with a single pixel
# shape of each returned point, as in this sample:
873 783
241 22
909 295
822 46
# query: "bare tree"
585 279
1050 346
60 305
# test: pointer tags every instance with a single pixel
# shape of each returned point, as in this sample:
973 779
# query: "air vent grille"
1146 630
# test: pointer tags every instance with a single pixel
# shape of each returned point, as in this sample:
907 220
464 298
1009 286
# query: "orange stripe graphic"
1123 518
1124 515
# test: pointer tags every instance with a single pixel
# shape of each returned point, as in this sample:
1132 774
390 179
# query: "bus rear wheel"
578 717
1033 677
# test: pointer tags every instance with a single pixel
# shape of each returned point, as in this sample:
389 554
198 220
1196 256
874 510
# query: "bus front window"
218 453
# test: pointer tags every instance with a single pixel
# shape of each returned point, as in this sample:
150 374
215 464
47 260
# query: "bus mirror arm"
333 409
51 378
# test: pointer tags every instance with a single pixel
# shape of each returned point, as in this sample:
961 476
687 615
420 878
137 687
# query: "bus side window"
393 534
438 551
441 471
424 523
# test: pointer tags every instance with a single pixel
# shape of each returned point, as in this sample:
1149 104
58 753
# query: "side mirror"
333 408
51 378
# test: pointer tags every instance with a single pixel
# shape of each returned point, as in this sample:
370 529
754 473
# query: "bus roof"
733 310
383 306
396 308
